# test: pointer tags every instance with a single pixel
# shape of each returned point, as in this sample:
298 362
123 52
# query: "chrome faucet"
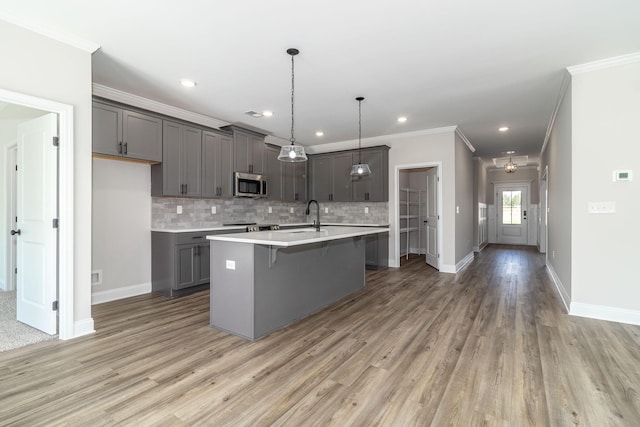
316 223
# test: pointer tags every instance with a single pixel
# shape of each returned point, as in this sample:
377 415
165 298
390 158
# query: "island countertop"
298 236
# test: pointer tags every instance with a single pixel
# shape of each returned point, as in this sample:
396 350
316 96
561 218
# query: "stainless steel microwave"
249 185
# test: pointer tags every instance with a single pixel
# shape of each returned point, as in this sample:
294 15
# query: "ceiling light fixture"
360 169
187 83
510 167
267 113
503 128
402 119
319 133
293 152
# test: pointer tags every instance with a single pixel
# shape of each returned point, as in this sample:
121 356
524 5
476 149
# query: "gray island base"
258 288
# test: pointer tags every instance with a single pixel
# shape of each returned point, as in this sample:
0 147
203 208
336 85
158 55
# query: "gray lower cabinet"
377 251
128 134
180 262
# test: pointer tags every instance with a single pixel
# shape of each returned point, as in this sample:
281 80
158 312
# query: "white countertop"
295 237
242 227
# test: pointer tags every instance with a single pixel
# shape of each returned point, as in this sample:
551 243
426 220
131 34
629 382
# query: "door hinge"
55 223
56 141
16 168
16 272
54 306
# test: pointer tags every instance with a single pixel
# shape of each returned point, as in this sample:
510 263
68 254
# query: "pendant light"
360 169
293 152
510 167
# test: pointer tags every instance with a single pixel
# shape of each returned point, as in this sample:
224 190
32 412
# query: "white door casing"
511 224
431 219
37 207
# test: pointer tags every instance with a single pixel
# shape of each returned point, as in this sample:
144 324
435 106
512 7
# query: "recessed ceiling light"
187 83
319 133
503 128
402 119
267 113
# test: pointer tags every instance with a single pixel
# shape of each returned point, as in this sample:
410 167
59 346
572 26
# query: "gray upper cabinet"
294 181
217 160
274 173
128 134
182 163
249 151
329 177
374 187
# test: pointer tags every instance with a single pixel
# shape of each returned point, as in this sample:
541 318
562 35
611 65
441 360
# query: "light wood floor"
488 346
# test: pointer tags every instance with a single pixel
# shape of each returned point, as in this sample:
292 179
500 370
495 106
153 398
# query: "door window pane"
511 207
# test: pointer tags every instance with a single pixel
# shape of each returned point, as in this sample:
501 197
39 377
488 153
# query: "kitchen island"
263 281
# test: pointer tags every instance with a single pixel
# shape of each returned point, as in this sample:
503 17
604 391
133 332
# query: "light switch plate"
290 210
270 209
230 264
213 210
601 207
179 210
326 210
366 209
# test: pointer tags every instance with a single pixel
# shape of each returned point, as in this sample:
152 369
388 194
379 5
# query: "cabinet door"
372 187
320 176
186 273
191 162
216 165
301 182
288 181
275 179
249 152
341 168
258 163
106 129
171 170
204 261
141 136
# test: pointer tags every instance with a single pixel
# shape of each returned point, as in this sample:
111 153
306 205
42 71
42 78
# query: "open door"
431 218
37 184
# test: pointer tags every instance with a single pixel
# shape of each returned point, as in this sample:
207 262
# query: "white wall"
39 66
522 174
464 200
121 239
604 248
557 157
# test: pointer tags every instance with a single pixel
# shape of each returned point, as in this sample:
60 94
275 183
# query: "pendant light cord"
359 129
293 139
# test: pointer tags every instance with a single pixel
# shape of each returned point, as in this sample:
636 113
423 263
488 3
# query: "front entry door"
431 218
512 215
37 195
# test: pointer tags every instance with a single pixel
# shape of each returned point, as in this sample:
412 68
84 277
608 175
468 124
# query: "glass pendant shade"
292 153
361 169
510 167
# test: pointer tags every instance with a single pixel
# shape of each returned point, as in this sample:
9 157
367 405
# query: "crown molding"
465 140
602 64
375 140
155 106
77 42
564 86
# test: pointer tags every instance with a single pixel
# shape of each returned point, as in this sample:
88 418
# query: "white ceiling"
475 64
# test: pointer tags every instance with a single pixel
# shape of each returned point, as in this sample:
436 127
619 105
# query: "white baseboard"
83 327
564 295
481 247
448 268
613 314
120 293
464 261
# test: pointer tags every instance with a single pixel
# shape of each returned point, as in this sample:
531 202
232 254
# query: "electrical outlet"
213 210
366 209
179 210
290 210
553 254
270 209
326 210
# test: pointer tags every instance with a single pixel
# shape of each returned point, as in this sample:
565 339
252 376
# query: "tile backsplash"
197 213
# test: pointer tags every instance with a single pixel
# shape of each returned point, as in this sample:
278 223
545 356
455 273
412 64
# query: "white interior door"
542 218
431 218
512 214
37 195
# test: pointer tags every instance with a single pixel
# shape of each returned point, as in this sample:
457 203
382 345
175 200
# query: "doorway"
512 205
64 253
542 217
418 213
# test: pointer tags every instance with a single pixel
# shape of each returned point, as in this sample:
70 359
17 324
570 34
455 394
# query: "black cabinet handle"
295 196
125 148
120 147
14 232
197 251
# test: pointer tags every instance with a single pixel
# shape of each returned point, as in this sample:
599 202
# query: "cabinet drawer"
192 237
